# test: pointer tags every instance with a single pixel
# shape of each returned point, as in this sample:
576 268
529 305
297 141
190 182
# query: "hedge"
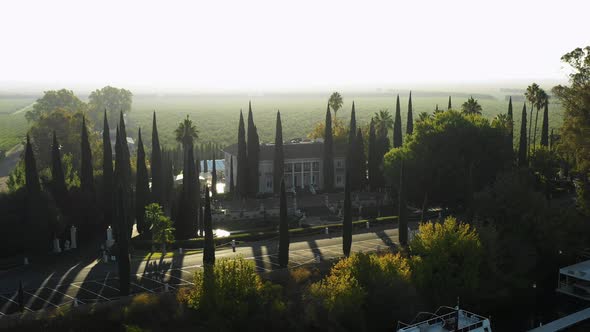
197 243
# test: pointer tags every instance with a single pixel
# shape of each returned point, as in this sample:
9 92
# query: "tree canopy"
335 102
53 100
111 99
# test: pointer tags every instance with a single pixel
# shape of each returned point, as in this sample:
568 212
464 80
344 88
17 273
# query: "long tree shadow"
387 240
256 254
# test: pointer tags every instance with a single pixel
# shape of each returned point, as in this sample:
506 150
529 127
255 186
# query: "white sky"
286 44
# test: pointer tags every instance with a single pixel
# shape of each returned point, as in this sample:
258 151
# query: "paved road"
95 281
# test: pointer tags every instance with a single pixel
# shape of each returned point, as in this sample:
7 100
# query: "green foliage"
242 177
111 100
471 106
209 244
16 178
446 261
159 224
335 102
232 295
362 292
328 157
253 145
447 158
156 165
142 190
397 126
86 173
67 126
53 100
347 219
184 127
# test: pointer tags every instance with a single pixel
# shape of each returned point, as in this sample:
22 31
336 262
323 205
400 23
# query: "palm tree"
335 102
531 95
540 102
424 116
192 130
383 121
471 106
501 121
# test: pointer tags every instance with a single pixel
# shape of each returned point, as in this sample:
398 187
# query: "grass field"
217 117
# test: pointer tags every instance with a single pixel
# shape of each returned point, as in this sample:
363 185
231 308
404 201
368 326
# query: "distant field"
217 117
13 127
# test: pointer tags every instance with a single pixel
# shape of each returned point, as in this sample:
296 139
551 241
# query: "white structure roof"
580 270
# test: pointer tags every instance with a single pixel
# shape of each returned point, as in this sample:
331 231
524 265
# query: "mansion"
303 165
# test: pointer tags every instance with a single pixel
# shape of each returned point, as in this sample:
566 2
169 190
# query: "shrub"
231 295
364 291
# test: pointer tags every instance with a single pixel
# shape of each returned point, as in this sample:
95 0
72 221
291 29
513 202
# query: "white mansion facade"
303 165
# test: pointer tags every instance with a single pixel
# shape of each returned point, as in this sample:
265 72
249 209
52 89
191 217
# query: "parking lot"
159 276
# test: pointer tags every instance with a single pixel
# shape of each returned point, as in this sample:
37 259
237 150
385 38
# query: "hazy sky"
286 44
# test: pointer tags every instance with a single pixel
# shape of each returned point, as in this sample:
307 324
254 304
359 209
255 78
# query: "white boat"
447 319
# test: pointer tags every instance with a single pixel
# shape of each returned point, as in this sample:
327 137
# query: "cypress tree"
328 153
231 174
31 176
107 173
522 146
545 127
397 126
188 214
283 229
347 220
362 162
403 209
372 164
156 166
213 179
352 158
242 160
123 171
142 189
58 181
449 106
253 154
511 123
198 192
86 176
209 245
206 157
123 261
410 123
279 161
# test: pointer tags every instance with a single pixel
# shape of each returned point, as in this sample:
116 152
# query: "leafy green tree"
575 100
111 100
350 297
160 226
108 185
424 116
445 161
67 127
446 261
383 121
242 189
283 229
522 145
53 100
209 245
142 189
410 125
347 220
471 106
156 166
335 102
86 174
253 152
545 126
58 180
279 161
339 131
328 158
397 126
